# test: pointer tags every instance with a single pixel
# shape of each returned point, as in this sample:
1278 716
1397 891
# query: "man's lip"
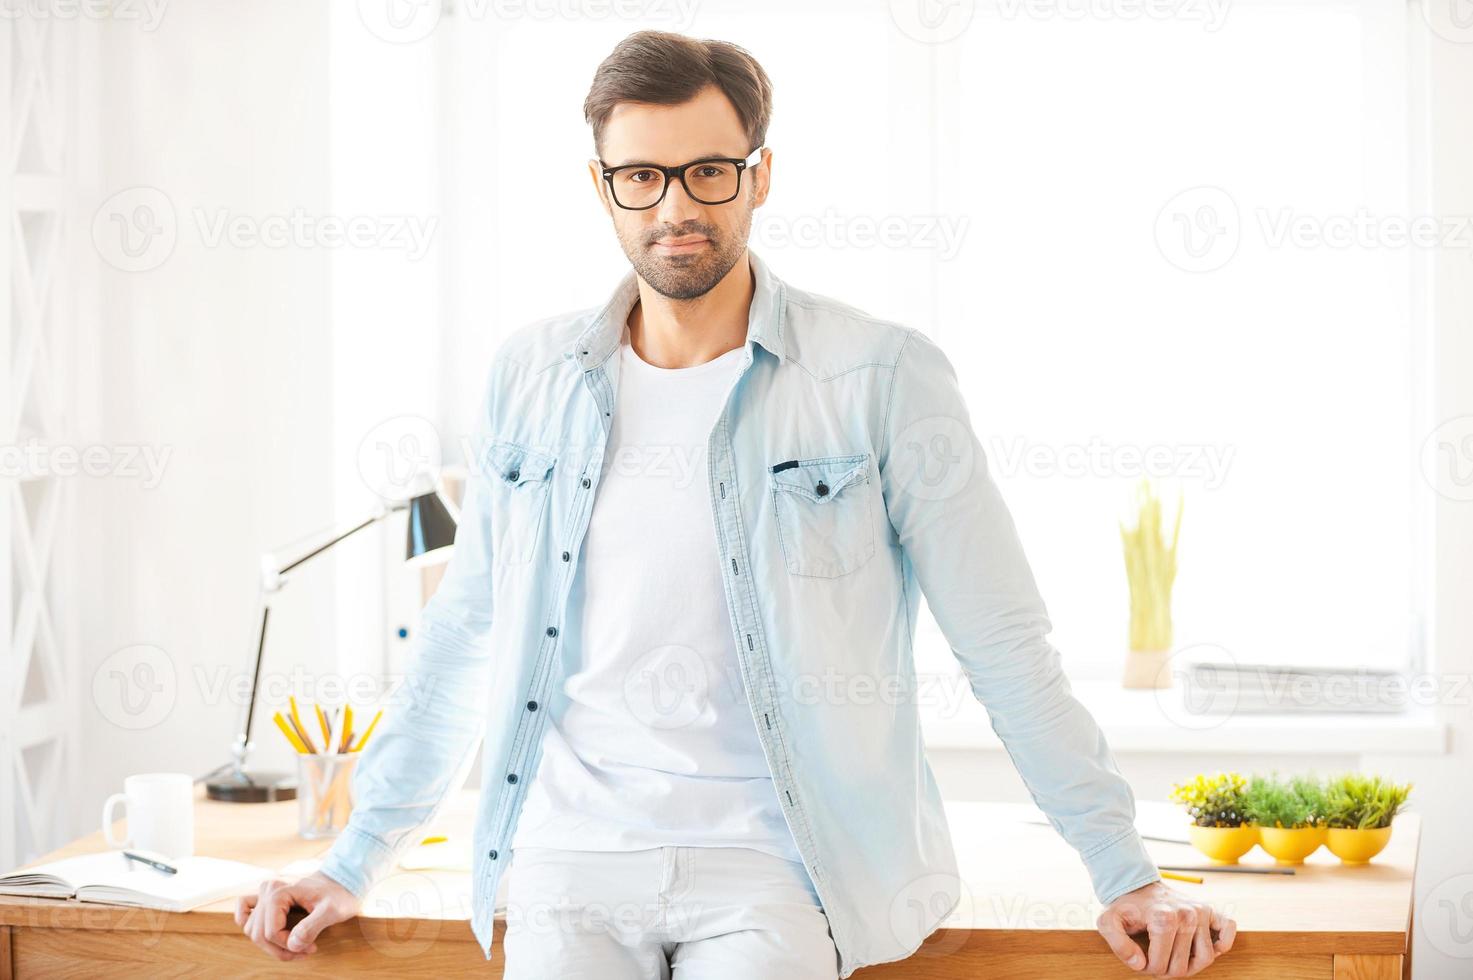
680 243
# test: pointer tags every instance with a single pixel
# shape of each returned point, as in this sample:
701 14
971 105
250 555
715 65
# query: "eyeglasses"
714 180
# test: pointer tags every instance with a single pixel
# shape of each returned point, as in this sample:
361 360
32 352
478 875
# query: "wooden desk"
1029 914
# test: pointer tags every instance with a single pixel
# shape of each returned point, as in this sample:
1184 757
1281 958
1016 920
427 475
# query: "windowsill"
1139 721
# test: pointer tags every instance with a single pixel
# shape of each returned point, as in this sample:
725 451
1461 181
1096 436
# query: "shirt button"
511 777
552 631
822 489
531 705
513 475
491 855
566 556
585 483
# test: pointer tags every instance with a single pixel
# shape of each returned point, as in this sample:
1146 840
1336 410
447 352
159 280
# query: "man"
684 595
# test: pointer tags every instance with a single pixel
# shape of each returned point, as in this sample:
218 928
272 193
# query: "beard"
684 277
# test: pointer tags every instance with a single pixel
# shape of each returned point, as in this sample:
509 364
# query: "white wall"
220 356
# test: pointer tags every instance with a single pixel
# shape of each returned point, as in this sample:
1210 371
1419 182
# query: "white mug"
160 809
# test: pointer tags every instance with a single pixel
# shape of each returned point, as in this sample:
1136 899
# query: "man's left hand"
1179 930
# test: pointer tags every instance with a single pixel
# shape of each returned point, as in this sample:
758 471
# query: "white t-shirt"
650 740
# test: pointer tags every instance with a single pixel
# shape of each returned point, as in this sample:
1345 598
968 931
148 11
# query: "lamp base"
252 787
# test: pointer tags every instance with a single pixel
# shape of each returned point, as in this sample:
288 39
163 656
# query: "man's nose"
678 206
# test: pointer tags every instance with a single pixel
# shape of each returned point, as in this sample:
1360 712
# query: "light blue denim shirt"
846 480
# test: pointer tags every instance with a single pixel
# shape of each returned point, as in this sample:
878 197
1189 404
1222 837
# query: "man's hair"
661 68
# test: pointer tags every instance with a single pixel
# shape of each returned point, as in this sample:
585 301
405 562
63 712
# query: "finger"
1160 934
259 931
243 906
1202 952
1227 931
1119 940
1181 945
303 938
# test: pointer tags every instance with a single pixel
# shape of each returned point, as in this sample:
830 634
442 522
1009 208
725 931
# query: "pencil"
1176 876
290 735
302 734
326 732
371 725
345 741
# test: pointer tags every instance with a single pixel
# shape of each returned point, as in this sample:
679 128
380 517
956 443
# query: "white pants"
697 913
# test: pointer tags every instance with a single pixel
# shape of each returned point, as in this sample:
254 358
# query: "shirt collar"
764 319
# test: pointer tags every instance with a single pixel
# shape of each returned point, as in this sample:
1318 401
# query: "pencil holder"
324 793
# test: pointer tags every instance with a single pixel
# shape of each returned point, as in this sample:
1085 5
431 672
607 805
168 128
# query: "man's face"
681 247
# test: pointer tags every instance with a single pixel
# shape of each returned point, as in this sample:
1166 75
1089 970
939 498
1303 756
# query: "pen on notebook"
167 869
1229 869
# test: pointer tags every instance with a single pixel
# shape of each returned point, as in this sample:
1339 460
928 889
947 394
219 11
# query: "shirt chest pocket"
520 480
823 514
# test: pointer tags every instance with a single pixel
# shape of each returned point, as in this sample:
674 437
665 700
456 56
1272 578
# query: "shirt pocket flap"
820 479
516 464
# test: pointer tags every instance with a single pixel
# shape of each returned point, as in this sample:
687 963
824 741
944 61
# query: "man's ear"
762 179
596 171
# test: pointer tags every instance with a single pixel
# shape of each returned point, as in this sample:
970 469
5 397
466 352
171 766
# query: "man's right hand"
263 916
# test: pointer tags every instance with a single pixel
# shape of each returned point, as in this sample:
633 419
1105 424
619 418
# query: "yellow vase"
1354 846
1223 845
1291 845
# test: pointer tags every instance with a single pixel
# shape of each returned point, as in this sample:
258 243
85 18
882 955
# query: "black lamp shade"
431 529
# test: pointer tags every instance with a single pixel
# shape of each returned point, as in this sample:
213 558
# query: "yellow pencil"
435 839
291 736
296 718
1175 876
371 725
344 742
326 731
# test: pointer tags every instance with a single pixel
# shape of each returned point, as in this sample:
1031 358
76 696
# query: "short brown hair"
661 68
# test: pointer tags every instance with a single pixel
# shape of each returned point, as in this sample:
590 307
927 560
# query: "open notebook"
111 879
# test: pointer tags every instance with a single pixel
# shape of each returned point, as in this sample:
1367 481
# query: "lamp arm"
272 580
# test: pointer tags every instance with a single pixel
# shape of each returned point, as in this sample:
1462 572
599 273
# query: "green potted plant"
1358 811
1289 814
1215 804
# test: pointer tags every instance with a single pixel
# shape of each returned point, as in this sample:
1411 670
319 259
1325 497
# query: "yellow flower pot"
1354 846
1223 845
1291 845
